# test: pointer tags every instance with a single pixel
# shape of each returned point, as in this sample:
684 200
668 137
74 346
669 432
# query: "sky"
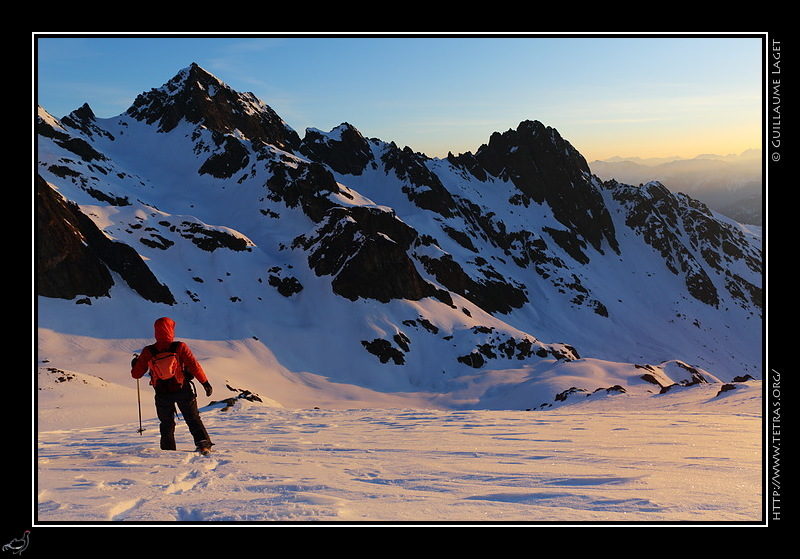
628 96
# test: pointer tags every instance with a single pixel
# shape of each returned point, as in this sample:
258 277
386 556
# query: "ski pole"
139 402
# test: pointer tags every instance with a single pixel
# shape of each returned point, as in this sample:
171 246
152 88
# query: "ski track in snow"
410 466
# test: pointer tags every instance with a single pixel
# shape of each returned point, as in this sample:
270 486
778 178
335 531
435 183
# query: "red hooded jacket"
165 333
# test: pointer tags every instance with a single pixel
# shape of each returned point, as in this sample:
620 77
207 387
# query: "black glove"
133 361
207 386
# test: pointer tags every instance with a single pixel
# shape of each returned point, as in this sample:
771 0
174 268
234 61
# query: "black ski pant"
186 401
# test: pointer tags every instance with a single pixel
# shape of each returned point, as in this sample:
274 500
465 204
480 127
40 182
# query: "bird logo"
18 545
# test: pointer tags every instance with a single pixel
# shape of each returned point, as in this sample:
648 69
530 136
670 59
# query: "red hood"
164 330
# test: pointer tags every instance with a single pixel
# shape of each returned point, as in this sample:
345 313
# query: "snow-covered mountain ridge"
337 269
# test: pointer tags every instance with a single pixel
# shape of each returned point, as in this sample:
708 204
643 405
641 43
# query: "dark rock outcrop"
421 185
344 150
492 293
366 250
671 224
305 185
547 169
73 257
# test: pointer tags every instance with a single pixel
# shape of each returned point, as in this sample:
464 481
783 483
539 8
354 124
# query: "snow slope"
317 451
685 456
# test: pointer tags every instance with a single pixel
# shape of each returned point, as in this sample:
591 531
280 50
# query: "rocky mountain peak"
343 149
200 98
548 169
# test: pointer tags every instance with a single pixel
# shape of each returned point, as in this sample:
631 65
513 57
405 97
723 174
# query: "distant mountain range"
730 184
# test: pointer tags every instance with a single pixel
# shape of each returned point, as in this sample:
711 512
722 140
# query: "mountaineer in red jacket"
177 387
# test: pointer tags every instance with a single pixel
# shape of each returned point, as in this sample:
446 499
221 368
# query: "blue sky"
628 96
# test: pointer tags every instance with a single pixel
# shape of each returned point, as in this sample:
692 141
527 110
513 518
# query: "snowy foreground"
685 456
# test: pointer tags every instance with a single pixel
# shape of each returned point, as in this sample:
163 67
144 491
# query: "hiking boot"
204 447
